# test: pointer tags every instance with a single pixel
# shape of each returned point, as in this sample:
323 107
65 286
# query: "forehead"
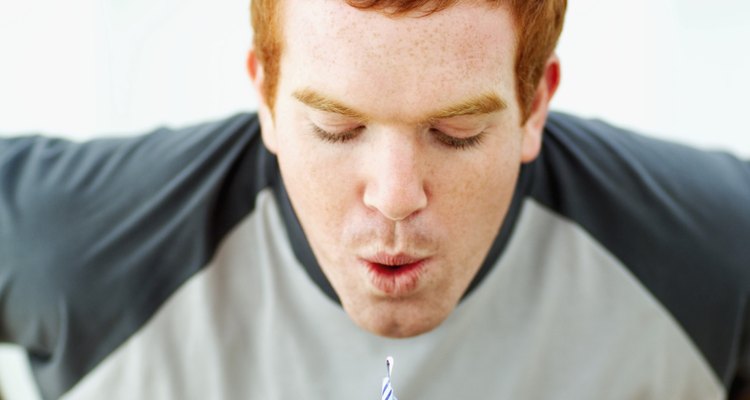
330 46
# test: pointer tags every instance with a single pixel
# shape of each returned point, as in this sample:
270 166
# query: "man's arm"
740 389
25 185
95 236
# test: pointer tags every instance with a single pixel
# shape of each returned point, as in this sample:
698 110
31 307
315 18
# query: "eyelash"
443 138
456 143
335 137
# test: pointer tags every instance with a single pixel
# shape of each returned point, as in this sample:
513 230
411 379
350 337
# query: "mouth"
395 275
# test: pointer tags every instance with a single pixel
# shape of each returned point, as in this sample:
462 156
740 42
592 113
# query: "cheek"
321 187
482 176
474 201
313 171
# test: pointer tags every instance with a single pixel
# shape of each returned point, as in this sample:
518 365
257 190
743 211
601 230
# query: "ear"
534 125
267 127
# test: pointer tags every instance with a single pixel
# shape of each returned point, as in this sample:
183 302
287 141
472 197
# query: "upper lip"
393 259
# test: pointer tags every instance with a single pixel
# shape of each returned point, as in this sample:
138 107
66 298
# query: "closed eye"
457 143
335 137
443 138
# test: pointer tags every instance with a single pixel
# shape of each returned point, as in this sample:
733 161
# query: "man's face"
399 141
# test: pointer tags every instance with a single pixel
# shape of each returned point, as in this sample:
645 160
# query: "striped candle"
387 392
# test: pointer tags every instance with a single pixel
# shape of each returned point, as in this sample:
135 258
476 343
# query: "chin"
398 321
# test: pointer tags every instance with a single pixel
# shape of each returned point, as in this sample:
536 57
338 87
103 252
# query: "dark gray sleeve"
33 213
740 389
70 213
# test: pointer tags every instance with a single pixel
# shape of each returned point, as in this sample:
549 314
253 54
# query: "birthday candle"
387 392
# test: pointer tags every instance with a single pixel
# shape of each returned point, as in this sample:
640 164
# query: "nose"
396 184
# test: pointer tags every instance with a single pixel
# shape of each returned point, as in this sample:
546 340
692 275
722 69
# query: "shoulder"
96 236
656 185
36 170
620 151
678 219
65 194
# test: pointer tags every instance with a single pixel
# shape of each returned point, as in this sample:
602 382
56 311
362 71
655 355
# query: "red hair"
539 23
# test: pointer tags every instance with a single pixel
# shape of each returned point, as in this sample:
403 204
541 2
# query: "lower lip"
396 281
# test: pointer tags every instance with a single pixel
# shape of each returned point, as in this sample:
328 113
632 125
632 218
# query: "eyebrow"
486 103
322 103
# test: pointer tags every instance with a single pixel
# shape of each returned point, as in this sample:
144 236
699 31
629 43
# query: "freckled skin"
394 188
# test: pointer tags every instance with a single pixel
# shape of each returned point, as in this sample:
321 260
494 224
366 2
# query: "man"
412 197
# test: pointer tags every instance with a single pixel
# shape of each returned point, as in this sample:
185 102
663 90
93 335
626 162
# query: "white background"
673 68
679 69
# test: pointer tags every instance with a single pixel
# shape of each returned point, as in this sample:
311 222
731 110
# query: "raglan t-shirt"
172 266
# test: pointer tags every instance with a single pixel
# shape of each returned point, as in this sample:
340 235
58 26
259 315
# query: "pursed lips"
395 274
